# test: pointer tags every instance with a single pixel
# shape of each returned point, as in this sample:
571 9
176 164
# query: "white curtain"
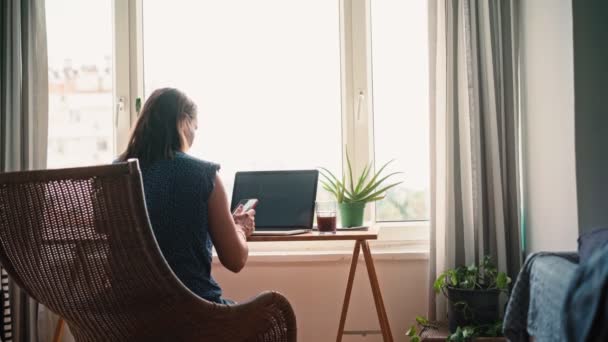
474 137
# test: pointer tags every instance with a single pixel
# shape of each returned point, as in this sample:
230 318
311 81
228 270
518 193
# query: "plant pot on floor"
472 307
351 214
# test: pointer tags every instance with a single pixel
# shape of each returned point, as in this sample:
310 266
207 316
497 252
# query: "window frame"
356 94
128 67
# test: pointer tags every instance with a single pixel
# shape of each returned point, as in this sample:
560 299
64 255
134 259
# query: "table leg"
349 287
373 280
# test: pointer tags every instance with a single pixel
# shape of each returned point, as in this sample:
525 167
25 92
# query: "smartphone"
248 203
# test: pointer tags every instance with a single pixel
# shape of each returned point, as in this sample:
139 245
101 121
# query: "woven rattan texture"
80 242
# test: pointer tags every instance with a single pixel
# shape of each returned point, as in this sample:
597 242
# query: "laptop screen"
286 198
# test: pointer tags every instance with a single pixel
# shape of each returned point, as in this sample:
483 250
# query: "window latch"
359 103
120 108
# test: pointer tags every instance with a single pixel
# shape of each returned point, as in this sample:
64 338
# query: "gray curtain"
475 192
23 118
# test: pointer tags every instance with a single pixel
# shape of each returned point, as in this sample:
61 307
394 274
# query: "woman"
186 200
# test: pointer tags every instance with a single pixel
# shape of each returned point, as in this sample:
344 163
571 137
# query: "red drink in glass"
326 217
326 223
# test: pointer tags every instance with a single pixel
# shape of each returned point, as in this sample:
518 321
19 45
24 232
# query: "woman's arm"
229 233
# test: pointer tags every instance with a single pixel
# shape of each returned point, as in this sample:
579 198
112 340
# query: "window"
81 128
400 104
265 75
279 84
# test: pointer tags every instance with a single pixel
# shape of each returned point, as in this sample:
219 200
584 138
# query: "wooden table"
360 238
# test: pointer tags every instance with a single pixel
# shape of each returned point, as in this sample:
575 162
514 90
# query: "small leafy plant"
462 334
465 334
422 323
485 277
367 188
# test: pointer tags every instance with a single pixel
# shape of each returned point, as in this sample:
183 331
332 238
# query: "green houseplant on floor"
472 292
353 193
473 301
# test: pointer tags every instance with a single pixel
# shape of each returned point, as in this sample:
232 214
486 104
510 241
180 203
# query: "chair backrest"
80 242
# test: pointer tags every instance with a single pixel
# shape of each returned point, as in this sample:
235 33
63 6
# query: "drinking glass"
326 217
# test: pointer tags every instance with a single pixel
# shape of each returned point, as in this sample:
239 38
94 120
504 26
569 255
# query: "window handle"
120 107
359 103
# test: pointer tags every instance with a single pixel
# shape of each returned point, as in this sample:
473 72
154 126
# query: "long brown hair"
156 134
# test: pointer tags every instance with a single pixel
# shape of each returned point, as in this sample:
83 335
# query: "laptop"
286 199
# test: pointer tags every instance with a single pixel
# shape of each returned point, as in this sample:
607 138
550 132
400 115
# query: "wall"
590 29
315 287
548 125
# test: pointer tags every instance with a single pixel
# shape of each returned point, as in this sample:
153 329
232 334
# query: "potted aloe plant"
353 193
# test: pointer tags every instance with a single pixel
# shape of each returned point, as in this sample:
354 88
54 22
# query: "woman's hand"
245 220
229 232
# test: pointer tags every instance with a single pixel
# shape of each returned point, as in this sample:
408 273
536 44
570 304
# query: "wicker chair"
79 241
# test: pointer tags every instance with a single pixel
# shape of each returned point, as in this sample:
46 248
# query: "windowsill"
396 242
